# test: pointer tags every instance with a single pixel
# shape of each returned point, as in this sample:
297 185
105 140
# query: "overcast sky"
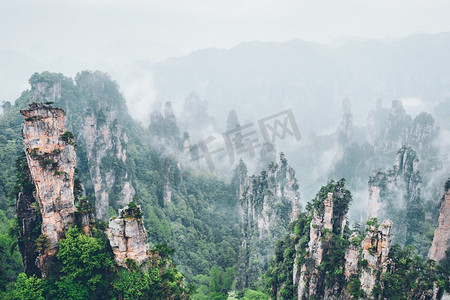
115 32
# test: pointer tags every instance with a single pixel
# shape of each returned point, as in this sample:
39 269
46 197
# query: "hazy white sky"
111 31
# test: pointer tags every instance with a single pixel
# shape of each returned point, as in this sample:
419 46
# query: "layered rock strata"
29 222
96 118
105 143
128 237
375 253
326 224
51 157
267 204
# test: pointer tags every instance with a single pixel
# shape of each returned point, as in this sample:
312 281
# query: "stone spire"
51 157
128 237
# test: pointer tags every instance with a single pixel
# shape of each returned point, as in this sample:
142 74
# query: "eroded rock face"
394 132
260 192
318 239
421 133
95 114
105 142
402 179
51 159
391 192
163 125
28 220
352 257
45 91
267 204
388 131
441 240
128 237
375 251
325 222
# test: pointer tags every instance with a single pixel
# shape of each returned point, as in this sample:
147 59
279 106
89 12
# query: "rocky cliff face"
163 124
323 259
46 87
51 157
395 131
321 224
421 133
327 225
29 220
440 247
388 131
441 240
95 115
267 203
46 178
104 139
352 256
391 193
374 255
105 144
128 237
361 258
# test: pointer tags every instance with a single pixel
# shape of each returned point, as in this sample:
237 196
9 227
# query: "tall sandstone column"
50 152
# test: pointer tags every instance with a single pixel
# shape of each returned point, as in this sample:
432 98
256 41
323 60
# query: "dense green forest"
406 274
192 217
197 222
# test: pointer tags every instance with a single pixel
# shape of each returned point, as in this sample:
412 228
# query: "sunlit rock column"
375 254
128 237
51 157
319 224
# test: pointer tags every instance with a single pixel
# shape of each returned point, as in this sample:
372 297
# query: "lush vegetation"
84 269
406 275
198 219
410 277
